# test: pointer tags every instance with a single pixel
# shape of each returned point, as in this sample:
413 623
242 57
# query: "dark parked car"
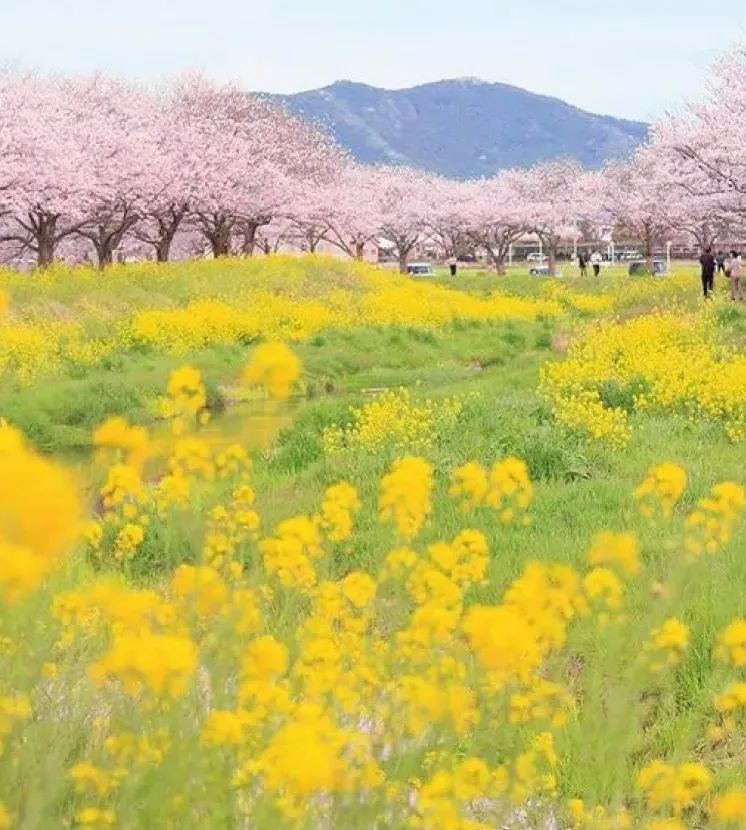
640 268
420 269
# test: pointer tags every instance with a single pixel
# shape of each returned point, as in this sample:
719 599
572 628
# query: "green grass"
581 488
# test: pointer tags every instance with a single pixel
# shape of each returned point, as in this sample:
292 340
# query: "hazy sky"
631 58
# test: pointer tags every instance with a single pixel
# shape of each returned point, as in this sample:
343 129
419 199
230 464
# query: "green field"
490 356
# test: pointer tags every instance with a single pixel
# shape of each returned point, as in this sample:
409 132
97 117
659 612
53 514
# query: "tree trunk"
45 255
248 230
163 249
217 228
108 234
496 257
403 257
552 260
359 250
104 252
107 242
249 239
168 227
46 241
43 230
649 252
221 244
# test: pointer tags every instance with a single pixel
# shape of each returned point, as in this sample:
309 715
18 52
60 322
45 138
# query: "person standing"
453 265
735 273
596 260
708 263
720 260
583 263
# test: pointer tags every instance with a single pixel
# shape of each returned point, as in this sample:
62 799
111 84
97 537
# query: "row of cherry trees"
100 165
99 161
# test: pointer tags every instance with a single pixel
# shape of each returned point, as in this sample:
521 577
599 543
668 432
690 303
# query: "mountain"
462 128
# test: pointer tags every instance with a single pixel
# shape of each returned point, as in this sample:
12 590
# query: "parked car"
539 271
629 256
535 256
640 268
420 269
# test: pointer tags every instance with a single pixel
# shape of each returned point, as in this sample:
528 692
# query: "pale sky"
631 58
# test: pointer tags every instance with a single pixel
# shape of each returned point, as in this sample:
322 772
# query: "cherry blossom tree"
249 154
179 153
698 210
353 209
494 216
705 146
709 133
116 128
403 205
639 198
309 214
447 207
271 237
555 197
43 177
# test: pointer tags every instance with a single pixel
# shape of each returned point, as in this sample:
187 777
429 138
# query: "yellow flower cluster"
161 663
604 592
661 490
393 419
406 492
674 786
40 516
618 550
131 509
131 442
95 818
444 800
186 398
584 817
667 645
583 411
275 368
616 293
192 305
729 808
273 679
38 347
506 488
733 700
709 526
664 361
230 526
290 553
732 644
338 510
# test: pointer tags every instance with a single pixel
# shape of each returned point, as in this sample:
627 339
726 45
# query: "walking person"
583 263
453 265
596 260
735 273
708 263
720 260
